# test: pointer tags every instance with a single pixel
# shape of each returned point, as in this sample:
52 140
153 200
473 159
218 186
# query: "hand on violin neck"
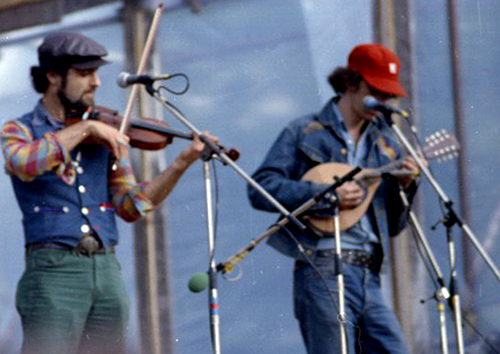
161 186
194 151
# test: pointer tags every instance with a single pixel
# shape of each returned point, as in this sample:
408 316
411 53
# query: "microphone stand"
213 299
451 219
329 191
213 150
442 292
216 150
338 267
447 202
455 297
228 265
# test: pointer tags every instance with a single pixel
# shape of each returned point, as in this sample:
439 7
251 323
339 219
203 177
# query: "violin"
144 133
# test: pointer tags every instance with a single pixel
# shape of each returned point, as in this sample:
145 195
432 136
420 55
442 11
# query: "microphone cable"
324 282
172 91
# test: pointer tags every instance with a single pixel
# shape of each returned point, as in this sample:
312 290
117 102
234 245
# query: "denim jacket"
313 140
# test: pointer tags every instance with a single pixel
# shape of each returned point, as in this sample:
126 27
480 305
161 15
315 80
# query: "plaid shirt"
26 159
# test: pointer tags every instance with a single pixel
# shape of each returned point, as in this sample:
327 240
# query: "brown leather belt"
354 257
88 246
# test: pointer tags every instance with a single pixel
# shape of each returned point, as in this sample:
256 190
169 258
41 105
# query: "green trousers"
71 303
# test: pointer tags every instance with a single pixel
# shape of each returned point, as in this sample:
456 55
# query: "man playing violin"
344 131
72 297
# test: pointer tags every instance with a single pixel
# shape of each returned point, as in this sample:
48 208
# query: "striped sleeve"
128 196
27 158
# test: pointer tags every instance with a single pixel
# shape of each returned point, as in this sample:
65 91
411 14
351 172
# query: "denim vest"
54 211
313 140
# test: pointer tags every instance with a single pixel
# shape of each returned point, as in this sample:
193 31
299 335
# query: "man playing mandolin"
71 297
346 132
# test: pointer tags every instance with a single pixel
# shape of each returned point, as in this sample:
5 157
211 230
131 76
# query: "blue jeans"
371 326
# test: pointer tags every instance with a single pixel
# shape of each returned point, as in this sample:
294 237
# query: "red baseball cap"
378 66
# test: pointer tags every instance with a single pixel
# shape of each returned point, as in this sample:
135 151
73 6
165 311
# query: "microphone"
201 280
373 104
124 80
198 282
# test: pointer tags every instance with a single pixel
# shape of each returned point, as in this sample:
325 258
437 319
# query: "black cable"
427 266
172 91
423 258
311 263
480 335
323 280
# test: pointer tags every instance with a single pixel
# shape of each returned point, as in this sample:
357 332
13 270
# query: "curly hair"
39 76
342 78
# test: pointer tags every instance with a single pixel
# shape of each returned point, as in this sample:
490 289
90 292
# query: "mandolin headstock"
441 146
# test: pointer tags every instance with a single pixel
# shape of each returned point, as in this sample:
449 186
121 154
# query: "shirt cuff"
65 169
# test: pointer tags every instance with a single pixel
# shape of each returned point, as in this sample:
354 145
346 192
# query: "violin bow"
142 64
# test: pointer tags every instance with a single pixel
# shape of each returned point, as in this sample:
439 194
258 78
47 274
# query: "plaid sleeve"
27 158
128 196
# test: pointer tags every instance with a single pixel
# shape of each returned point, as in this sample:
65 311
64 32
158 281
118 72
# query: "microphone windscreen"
370 102
198 282
121 80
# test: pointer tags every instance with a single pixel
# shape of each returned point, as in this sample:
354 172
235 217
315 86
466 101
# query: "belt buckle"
358 258
88 245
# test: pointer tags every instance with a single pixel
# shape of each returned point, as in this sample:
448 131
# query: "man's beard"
72 106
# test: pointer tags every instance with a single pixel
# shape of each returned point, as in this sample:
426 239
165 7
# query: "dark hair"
39 76
342 78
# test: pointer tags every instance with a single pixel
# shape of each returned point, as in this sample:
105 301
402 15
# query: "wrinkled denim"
370 325
302 145
316 139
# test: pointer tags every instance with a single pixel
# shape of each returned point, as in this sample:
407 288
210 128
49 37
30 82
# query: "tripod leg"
442 293
455 297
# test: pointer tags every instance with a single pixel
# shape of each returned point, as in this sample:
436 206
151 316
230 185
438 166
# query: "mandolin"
439 146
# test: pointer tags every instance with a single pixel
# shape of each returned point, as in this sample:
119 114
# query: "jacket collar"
41 117
329 118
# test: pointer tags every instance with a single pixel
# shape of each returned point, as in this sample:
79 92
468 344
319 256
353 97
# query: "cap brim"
387 86
91 64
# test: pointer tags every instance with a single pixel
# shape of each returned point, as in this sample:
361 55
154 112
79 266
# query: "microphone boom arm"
215 149
228 265
447 202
